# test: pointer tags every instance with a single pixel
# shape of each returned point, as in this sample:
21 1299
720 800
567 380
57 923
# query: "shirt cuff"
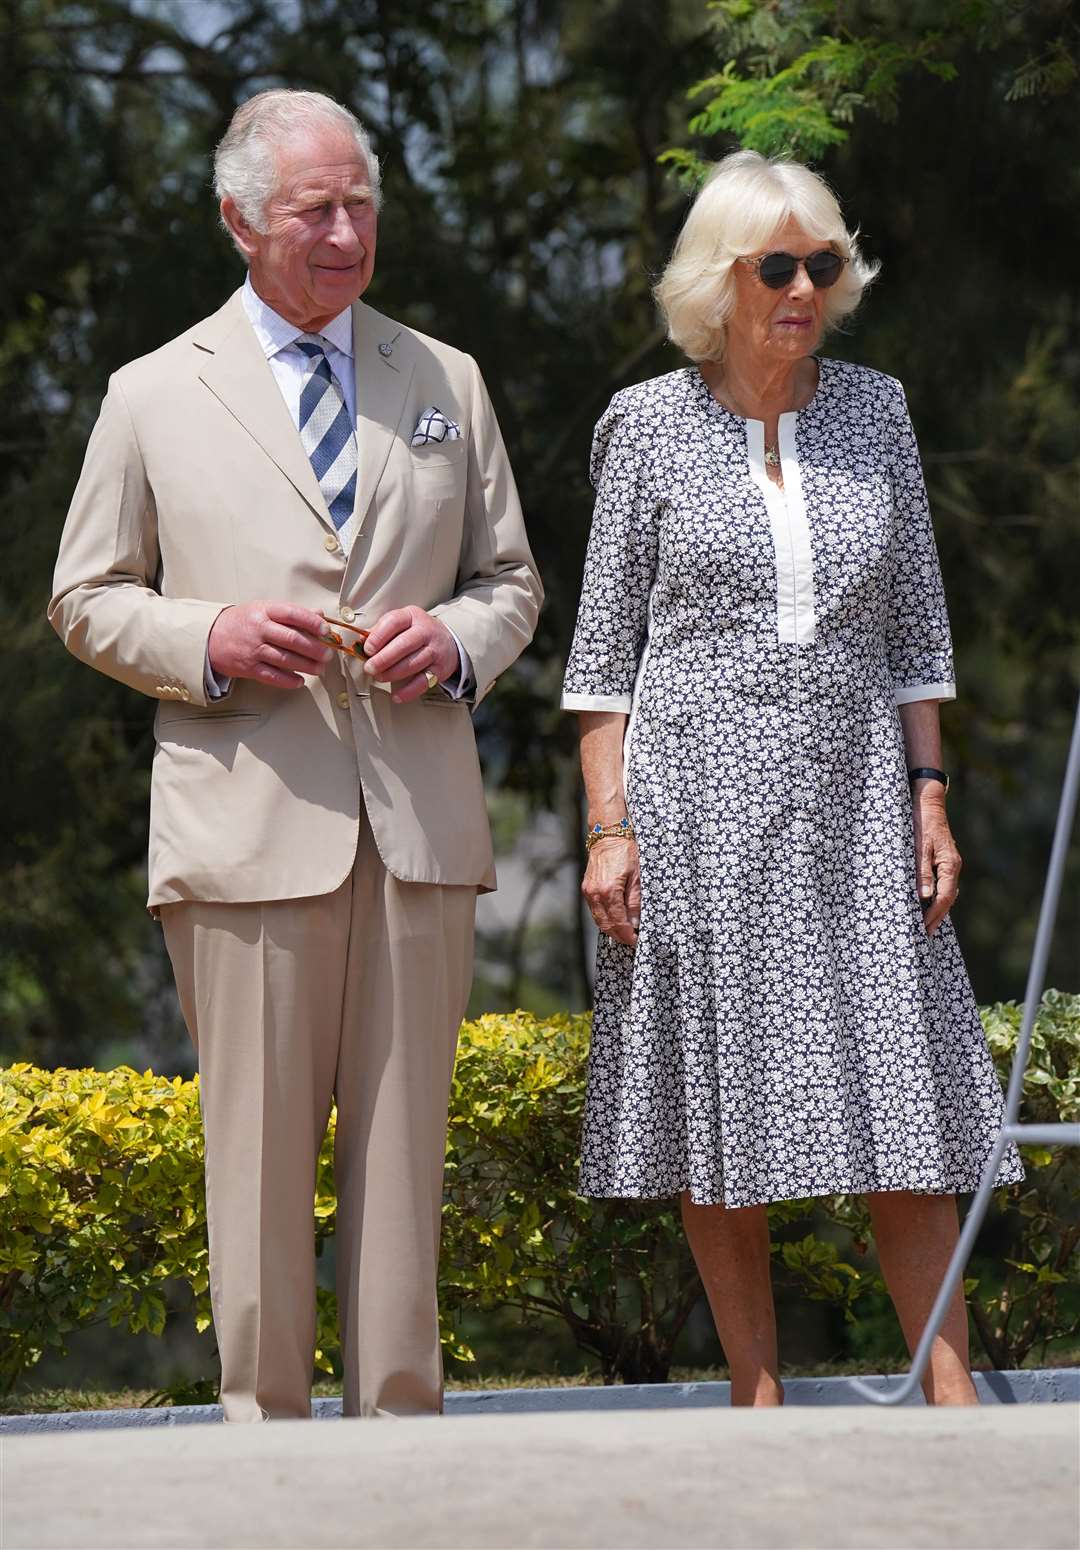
462 682
942 691
216 687
623 703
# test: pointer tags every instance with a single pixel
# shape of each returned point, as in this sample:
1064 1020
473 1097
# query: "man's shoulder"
185 352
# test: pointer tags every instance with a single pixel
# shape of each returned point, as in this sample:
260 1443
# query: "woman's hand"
937 859
612 887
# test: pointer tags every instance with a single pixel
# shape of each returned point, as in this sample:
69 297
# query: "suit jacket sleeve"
495 607
107 607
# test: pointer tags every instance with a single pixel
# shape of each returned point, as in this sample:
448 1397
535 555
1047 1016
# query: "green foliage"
101 1204
795 77
1052 74
807 106
516 1232
1052 1077
823 1275
1038 1301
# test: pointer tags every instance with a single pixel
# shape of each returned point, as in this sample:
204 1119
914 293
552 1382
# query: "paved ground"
838 1479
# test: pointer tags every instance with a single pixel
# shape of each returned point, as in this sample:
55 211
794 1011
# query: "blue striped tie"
327 432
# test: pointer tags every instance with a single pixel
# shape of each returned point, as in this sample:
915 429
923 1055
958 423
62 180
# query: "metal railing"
1011 1129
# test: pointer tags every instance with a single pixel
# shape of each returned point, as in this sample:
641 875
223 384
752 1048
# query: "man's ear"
243 233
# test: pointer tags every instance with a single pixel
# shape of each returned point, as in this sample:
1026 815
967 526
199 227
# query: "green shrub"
1039 1298
514 1230
101 1204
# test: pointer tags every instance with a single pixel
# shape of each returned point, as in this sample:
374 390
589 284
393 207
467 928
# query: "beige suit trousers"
353 997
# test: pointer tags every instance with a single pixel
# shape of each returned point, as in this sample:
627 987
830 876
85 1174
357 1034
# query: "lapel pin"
386 349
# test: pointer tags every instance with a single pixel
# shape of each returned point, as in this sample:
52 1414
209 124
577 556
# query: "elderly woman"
782 1009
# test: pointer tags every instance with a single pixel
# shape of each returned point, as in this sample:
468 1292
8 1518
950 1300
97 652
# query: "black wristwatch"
928 774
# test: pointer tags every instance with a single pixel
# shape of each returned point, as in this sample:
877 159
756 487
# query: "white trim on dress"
925 692
795 621
618 702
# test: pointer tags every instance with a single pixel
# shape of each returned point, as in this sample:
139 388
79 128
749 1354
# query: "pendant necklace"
772 453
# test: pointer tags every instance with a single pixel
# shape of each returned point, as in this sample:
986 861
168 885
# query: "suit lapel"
237 372
382 386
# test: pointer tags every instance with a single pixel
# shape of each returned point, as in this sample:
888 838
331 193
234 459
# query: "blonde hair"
742 204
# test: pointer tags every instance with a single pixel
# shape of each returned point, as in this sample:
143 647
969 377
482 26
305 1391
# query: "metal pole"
1011 1130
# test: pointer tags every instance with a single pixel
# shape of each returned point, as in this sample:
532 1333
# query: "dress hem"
1011 1172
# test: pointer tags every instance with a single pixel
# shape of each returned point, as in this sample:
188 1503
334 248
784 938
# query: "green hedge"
101 1204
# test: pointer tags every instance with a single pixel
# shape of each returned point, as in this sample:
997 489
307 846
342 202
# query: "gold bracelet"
623 830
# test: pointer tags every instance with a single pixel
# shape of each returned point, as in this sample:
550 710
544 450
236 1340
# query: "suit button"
347 613
331 545
343 699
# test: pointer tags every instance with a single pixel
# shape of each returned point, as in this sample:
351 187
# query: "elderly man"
317 823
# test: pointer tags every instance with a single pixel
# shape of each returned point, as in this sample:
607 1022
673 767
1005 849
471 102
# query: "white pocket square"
433 425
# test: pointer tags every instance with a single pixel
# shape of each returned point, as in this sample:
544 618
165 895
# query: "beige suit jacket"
196 493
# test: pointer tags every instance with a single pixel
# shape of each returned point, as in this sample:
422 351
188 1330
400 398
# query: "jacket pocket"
438 454
202 718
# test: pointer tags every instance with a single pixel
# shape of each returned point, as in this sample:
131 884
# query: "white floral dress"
784 1027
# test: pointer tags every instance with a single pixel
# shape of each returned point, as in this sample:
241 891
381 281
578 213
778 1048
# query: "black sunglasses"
778 269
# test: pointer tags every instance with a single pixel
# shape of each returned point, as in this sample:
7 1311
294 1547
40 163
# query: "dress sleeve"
620 565
917 642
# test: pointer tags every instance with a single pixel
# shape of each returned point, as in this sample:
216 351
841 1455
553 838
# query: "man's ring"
432 681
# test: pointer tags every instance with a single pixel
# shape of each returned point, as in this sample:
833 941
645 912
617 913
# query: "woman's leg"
915 1237
731 1251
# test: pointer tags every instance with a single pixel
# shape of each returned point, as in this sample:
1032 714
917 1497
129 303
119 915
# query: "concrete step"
997 1478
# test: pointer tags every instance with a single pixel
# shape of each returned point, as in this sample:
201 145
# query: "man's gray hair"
245 162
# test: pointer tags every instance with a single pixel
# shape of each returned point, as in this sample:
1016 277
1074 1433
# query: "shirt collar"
275 334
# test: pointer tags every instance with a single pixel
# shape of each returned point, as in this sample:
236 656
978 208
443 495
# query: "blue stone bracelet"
623 830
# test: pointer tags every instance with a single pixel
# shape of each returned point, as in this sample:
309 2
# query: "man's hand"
273 643
405 645
612 888
937 859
